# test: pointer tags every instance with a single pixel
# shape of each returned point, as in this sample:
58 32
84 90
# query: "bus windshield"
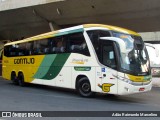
135 59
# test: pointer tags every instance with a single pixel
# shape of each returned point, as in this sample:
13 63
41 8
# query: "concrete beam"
53 26
150 36
14 4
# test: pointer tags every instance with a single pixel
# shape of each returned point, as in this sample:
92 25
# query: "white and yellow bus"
2 42
89 58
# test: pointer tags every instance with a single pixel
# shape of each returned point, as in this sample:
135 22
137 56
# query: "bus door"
109 70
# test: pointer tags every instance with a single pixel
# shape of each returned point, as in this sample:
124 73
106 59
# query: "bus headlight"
127 81
124 79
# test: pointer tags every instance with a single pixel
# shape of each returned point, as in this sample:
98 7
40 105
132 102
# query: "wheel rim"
85 87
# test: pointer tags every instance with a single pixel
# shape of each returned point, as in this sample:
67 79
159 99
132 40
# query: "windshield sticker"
123 36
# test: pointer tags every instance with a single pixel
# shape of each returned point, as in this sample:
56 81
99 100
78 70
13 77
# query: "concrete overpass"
24 18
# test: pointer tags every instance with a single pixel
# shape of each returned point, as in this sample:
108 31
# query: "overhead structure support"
53 26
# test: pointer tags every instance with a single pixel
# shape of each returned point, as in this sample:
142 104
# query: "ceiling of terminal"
138 15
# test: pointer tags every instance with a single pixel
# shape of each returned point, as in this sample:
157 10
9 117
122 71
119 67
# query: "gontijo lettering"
24 61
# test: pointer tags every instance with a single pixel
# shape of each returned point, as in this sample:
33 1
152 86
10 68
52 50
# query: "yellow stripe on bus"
114 28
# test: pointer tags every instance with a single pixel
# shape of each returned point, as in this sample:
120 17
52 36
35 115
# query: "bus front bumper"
126 88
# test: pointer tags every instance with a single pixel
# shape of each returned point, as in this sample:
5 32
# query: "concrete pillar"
53 26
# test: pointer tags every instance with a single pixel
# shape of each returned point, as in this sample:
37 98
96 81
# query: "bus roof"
74 30
114 28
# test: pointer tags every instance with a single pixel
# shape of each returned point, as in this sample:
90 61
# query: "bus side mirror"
120 42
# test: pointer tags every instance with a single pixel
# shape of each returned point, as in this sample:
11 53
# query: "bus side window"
6 51
40 47
1 54
51 45
10 51
36 48
13 50
94 36
57 45
28 48
60 45
77 44
21 49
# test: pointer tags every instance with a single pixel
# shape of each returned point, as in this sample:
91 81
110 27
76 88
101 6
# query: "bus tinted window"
77 44
58 44
40 47
21 49
11 50
72 43
29 48
95 35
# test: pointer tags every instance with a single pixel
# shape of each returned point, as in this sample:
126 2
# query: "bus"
89 58
153 49
2 42
1 51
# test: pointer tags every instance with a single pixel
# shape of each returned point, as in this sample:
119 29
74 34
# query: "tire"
21 80
14 78
84 87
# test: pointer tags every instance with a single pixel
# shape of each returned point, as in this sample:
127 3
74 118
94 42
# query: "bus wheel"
84 87
21 79
14 78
